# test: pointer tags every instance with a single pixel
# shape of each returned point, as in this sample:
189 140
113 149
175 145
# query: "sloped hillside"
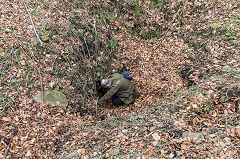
184 58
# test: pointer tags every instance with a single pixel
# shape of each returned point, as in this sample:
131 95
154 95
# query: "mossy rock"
46 25
44 38
53 97
56 96
39 97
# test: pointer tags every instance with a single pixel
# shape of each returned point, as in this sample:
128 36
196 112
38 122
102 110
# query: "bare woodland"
183 56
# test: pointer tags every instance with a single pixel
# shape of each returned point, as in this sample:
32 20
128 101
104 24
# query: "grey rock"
213 138
226 68
192 135
121 134
74 154
39 97
53 97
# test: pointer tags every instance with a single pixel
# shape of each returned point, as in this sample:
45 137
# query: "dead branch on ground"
14 130
32 23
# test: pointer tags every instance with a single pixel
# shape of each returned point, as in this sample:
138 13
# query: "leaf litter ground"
151 127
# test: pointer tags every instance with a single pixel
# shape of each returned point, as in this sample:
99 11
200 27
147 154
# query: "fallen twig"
96 107
104 150
32 23
9 144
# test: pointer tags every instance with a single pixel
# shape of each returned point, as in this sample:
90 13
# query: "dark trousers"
117 101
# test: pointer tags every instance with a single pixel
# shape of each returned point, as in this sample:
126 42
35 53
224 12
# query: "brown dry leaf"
28 153
108 145
152 74
180 123
155 143
6 119
232 131
83 151
156 137
114 152
85 134
183 145
195 121
32 141
237 131
141 144
106 155
23 62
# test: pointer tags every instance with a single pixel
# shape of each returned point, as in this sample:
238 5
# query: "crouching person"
120 89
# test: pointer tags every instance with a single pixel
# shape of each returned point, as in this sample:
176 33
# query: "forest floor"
188 79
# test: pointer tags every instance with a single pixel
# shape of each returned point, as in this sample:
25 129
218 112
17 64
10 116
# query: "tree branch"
32 23
10 142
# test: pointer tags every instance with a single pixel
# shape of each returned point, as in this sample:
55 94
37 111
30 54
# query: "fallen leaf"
155 143
114 152
156 137
6 119
237 129
29 153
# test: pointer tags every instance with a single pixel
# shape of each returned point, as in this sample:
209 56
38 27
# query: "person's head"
105 83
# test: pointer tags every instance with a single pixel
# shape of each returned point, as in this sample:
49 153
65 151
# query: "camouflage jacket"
122 88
